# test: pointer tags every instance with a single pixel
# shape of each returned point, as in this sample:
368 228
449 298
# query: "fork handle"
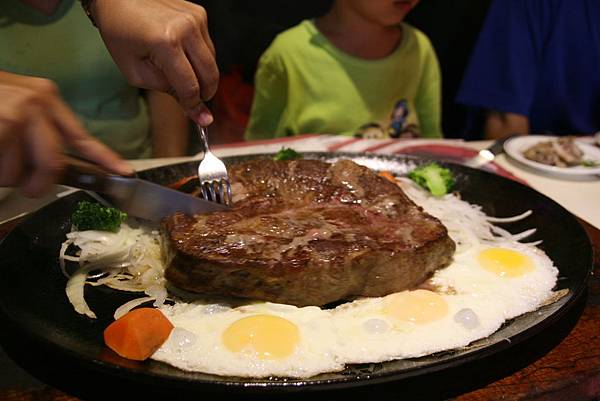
203 137
83 174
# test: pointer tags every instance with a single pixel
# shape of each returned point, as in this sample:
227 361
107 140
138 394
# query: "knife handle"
498 146
85 175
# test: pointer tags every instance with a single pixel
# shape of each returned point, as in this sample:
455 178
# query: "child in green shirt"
358 70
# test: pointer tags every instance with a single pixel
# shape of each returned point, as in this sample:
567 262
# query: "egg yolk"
505 262
270 337
420 306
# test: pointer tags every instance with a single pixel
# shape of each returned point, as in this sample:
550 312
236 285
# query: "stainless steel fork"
212 173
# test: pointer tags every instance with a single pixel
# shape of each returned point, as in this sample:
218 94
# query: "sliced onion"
62 256
129 260
126 307
509 219
159 293
74 290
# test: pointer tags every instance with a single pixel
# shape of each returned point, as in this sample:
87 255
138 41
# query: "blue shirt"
541 59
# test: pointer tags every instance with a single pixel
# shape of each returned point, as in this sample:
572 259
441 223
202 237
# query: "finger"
43 145
202 116
95 151
201 55
205 34
75 136
11 162
182 78
199 14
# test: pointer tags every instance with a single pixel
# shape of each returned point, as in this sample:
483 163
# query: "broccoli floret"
436 179
287 154
94 216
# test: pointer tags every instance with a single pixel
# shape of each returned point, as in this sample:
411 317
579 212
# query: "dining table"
560 363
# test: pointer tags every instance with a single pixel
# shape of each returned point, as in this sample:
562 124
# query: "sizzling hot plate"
33 301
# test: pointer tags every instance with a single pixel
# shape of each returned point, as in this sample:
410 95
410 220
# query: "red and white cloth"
451 150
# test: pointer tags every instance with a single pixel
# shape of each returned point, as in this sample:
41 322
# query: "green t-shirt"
66 48
304 84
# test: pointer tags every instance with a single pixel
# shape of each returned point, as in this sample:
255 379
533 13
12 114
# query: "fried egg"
475 295
516 276
409 324
257 340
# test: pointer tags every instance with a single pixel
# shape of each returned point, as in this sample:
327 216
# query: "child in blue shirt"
535 69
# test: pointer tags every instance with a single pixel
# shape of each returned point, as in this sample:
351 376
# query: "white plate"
515 147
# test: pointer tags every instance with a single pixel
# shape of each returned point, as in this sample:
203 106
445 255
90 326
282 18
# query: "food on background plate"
493 276
559 152
306 232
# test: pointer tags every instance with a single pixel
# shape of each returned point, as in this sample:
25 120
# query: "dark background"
242 30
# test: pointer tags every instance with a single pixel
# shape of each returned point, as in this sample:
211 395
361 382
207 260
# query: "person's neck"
357 35
47 7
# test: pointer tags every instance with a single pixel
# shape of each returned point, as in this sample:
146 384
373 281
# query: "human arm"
168 124
270 98
162 45
35 126
499 125
502 74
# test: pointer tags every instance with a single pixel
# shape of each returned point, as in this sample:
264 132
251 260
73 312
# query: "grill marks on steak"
306 232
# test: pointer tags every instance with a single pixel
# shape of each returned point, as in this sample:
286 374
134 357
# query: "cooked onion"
467 224
74 292
129 260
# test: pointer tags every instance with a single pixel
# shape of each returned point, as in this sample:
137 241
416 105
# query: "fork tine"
216 190
211 191
203 190
206 191
221 191
229 197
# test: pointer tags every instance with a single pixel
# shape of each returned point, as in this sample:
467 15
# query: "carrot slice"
388 176
138 333
181 182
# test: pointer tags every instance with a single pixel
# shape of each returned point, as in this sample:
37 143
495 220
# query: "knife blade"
488 154
134 196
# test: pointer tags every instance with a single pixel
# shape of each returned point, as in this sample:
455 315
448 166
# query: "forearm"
169 125
499 125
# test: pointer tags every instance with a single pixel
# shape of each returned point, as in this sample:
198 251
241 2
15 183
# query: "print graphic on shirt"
400 125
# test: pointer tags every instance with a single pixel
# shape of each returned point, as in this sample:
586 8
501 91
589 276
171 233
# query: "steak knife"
134 196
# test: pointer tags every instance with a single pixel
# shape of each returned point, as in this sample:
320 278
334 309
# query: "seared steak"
306 232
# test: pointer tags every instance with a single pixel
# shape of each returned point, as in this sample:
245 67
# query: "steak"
306 232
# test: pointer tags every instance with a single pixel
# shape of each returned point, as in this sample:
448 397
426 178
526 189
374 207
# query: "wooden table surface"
563 364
